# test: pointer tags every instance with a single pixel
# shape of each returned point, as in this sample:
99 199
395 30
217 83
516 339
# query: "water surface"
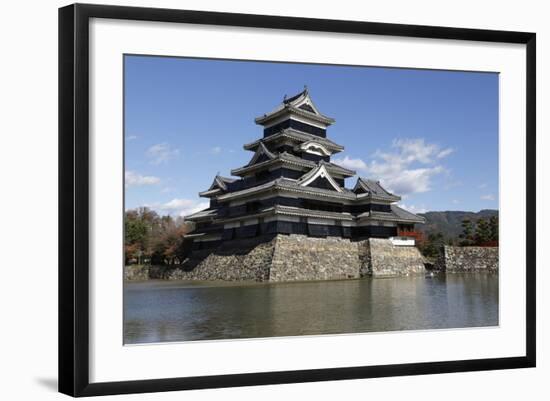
158 311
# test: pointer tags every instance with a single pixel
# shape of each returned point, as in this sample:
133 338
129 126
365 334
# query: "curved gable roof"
319 172
218 185
374 189
261 150
405 215
300 104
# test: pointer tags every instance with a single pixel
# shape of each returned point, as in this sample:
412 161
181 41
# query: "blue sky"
429 136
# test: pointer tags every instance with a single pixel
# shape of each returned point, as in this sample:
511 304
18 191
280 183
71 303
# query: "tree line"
153 239
481 232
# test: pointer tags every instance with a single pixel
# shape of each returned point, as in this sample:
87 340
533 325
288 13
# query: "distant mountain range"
449 223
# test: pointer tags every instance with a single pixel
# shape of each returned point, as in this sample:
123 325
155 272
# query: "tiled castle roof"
294 105
285 157
296 135
374 188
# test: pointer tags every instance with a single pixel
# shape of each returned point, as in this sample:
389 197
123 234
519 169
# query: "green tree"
433 245
483 233
493 228
467 236
135 237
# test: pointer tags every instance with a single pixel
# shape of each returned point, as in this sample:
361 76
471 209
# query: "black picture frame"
74 201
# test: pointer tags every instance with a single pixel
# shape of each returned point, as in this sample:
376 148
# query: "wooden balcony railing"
417 235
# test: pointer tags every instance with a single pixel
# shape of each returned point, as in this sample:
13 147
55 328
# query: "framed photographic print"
250 199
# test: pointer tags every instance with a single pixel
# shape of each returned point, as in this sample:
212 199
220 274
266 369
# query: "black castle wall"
256 205
311 230
297 125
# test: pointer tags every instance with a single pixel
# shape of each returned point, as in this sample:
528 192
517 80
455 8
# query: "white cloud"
167 189
444 153
354 164
408 168
488 197
413 208
133 179
161 153
412 150
415 150
456 201
182 207
409 181
216 150
482 186
131 137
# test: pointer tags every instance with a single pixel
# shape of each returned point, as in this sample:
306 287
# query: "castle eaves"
297 136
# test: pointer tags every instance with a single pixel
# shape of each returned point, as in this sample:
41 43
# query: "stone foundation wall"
363 251
293 258
468 258
383 259
136 272
244 260
298 257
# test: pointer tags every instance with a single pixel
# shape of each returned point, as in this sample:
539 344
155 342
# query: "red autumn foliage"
417 235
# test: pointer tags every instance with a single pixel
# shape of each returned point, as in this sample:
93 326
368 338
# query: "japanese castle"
290 186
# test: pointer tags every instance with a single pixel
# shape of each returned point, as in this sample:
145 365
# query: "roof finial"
284 97
305 88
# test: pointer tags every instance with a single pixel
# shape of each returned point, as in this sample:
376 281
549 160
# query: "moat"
162 311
